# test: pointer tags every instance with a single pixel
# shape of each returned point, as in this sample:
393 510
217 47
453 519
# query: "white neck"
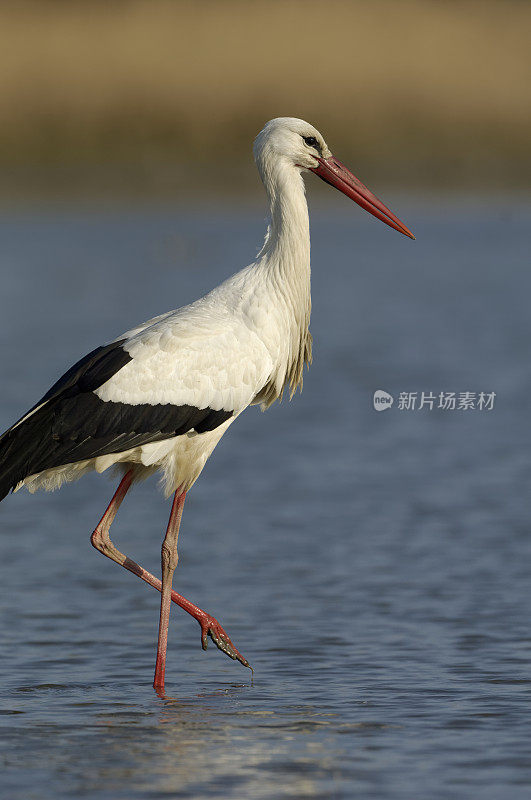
285 262
287 244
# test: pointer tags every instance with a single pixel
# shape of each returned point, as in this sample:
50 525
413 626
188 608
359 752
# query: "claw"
211 627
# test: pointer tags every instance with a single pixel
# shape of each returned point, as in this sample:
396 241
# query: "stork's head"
292 142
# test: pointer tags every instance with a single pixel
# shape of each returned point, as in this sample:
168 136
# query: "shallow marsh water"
374 567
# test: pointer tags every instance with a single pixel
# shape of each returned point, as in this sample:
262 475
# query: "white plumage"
161 395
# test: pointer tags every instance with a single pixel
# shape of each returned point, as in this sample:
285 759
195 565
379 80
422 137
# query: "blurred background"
373 567
160 95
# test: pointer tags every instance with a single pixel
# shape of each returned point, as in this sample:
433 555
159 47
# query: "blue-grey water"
374 567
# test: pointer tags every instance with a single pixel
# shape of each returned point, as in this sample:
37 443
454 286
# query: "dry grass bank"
436 90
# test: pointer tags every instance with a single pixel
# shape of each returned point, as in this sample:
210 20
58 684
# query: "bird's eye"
311 141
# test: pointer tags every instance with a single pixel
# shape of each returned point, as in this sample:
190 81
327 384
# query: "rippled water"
373 567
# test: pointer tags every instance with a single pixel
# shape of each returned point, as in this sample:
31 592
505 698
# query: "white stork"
161 396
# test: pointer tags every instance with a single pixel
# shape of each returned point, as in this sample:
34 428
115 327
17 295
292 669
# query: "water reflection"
212 741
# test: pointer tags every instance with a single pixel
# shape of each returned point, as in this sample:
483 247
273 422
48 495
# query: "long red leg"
101 541
169 558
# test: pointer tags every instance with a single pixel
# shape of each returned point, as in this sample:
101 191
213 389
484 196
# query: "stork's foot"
211 627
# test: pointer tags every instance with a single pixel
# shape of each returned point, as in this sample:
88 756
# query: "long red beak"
332 171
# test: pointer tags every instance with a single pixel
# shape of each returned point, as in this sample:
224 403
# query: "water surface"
373 567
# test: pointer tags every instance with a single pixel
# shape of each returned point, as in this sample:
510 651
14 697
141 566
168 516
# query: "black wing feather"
72 424
90 372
